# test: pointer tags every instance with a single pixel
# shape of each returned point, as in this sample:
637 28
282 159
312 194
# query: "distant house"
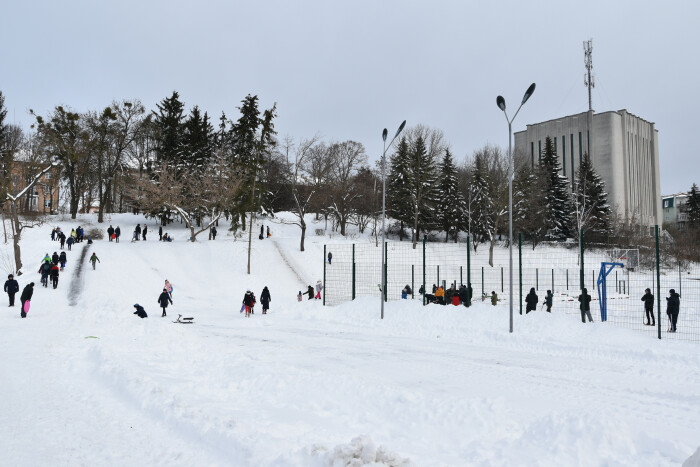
43 196
673 207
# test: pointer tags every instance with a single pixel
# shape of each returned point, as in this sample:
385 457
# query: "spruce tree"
482 207
692 207
198 142
169 125
528 204
398 191
452 206
422 187
3 126
591 201
557 211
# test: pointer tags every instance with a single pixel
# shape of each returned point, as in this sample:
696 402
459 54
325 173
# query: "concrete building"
624 150
673 211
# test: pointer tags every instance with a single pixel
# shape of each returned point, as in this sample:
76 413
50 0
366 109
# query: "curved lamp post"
384 279
501 102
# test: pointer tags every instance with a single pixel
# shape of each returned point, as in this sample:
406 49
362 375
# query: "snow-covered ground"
310 385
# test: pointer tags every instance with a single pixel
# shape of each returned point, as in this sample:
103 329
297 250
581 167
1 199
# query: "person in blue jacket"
11 287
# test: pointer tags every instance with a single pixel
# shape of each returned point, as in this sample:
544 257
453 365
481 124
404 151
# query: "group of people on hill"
249 301
311 292
76 236
164 299
262 232
113 234
454 295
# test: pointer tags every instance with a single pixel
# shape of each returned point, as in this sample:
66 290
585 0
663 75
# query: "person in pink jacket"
169 288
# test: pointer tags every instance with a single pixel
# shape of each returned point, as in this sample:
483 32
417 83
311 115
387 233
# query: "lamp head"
384 133
501 102
529 92
403 124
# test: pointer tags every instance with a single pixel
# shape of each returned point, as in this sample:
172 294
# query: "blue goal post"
605 269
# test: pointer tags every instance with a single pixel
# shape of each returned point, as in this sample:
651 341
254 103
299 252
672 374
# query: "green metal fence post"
438 275
658 283
460 275
552 280
582 283
425 287
567 279
325 285
413 282
520 269
537 279
353 271
469 269
386 270
501 279
482 281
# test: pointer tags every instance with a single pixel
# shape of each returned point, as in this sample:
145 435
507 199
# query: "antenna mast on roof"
588 79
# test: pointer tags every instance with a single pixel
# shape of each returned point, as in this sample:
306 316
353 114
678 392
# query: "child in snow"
140 312
300 296
163 299
63 260
168 287
94 259
319 287
494 298
247 302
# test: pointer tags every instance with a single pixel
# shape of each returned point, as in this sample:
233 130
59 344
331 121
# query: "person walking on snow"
137 233
213 232
70 242
117 234
163 300
300 296
168 288
673 305
54 275
549 300
11 287
110 232
145 231
330 257
45 270
648 300
63 260
26 297
62 239
585 300
160 233
54 258
53 234
319 287
531 300
94 259
494 298
268 232
310 292
265 299
248 302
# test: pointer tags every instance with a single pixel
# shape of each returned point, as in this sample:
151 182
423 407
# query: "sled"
182 320
26 308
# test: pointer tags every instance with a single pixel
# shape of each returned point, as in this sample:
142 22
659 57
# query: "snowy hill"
92 384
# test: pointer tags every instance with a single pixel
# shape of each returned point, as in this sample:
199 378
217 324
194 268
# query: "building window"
668 203
580 148
563 153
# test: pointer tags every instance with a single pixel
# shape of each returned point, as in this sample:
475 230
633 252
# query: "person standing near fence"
531 300
548 300
585 300
648 300
673 306
330 257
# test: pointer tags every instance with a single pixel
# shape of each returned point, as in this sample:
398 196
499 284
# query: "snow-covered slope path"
435 385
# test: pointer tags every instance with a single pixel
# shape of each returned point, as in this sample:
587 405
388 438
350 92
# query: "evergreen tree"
482 207
423 197
198 142
169 125
692 207
557 201
528 203
592 209
3 126
452 206
398 191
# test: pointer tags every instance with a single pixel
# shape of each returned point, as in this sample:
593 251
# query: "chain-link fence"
356 270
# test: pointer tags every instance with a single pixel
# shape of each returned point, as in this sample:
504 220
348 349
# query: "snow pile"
361 451
694 460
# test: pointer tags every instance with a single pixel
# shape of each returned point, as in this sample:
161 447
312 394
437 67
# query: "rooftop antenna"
588 79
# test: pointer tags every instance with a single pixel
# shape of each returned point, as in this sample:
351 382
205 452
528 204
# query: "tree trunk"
16 233
303 234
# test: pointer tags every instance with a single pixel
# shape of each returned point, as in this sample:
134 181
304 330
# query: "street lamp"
501 102
384 135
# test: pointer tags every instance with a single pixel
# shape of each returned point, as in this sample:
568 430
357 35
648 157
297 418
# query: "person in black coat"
62 239
310 292
70 242
648 300
54 258
145 231
585 306
160 233
265 299
11 287
117 234
213 232
26 297
54 275
63 260
673 306
531 300
110 231
140 311
548 300
163 299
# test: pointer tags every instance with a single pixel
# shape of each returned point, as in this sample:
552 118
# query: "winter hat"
31 284
10 276
136 305
672 291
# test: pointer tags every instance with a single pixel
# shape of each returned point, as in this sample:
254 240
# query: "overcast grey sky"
347 69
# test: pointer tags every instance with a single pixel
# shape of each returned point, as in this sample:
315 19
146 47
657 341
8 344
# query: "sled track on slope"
76 286
289 265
